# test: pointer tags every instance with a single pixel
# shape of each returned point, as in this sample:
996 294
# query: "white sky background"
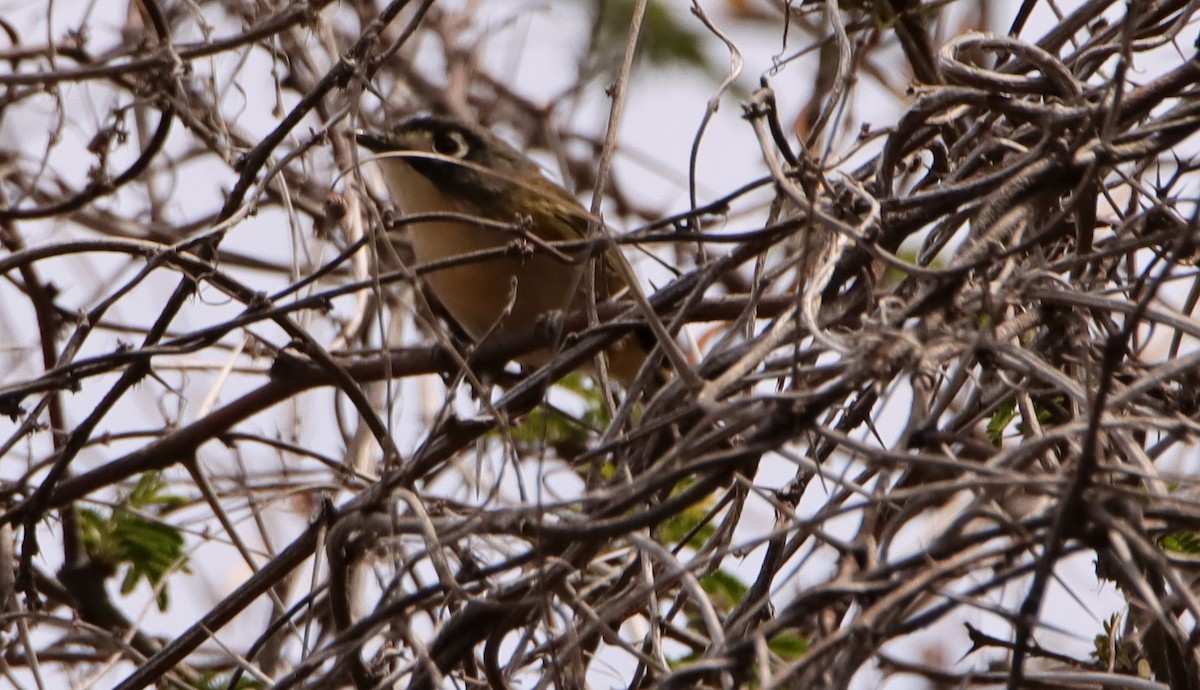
525 42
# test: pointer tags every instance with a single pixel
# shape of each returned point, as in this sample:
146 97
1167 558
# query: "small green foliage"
881 13
148 494
146 547
1044 412
1126 658
1103 641
682 661
676 528
546 427
724 590
595 412
999 422
543 427
665 41
789 646
1008 411
220 681
910 254
1180 542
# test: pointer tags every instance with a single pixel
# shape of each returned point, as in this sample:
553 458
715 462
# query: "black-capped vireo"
435 164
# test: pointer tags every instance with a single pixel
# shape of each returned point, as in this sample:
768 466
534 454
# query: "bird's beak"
372 141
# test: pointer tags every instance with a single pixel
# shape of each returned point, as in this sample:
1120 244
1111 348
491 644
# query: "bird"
435 164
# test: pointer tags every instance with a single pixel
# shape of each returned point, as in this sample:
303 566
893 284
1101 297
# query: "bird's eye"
450 143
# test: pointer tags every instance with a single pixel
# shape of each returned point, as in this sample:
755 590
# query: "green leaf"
545 427
595 412
1044 411
1000 421
1008 411
679 526
1180 542
145 547
725 590
789 646
664 40
147 493
1111 649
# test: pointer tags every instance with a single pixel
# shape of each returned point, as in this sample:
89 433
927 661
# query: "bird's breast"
484 295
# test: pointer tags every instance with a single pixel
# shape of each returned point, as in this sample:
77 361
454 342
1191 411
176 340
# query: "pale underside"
485 297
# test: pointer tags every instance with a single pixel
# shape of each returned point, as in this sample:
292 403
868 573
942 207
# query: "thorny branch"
970 321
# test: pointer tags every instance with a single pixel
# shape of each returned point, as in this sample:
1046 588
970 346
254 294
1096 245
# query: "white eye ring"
449 142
